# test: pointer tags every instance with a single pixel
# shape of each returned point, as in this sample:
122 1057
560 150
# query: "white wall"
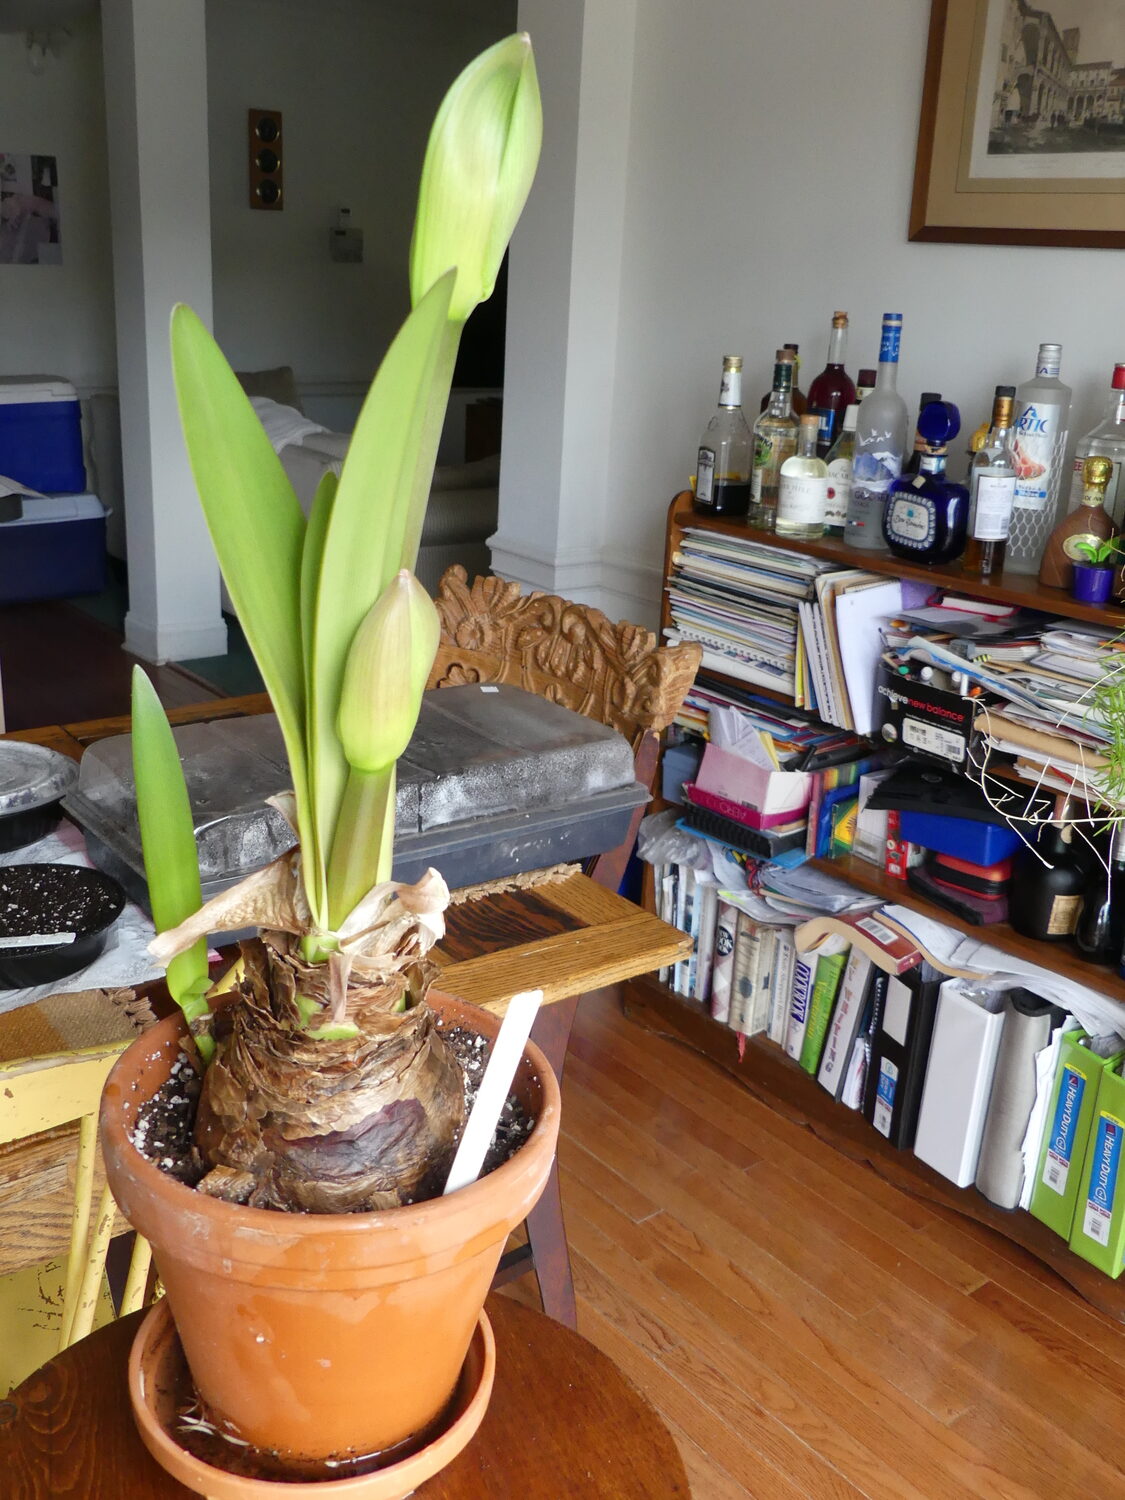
770 165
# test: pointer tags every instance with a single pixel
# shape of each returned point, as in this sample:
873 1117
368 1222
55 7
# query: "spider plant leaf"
361 549
168 842
256 525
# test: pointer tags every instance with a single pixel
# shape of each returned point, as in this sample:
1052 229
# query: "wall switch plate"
345 244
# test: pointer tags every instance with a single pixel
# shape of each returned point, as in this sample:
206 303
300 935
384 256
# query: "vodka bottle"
775 440
992 490
1042 410
880 441
802 491
832 392
722 473
840 461
1107 440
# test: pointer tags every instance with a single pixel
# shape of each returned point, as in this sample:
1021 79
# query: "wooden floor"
806 1329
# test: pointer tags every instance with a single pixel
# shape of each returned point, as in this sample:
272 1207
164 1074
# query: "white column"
563 308
156 115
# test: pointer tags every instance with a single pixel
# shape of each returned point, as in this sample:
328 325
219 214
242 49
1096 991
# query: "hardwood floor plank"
707 1479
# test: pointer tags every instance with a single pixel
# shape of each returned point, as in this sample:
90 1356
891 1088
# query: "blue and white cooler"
52 540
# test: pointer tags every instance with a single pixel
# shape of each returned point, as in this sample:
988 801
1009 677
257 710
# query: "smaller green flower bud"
385 674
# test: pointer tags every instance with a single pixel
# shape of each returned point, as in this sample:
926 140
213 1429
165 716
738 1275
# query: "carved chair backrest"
570 653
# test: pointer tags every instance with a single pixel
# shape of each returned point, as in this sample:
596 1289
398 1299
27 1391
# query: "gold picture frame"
1022 134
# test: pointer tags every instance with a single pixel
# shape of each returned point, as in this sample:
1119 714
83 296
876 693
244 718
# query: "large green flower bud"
385 674
480 161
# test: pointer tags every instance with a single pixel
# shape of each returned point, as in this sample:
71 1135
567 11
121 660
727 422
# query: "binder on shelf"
899 1051
962 1061
1098 1232
845 1022
1058 1174
830 960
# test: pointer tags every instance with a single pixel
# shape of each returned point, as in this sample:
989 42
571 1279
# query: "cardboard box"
1098 1231
725 774
925 720
1058 1176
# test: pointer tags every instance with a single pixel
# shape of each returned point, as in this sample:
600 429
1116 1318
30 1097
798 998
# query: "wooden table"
563 1421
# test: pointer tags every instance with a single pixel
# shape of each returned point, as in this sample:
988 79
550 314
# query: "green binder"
829 968
1062 1156
1098 1232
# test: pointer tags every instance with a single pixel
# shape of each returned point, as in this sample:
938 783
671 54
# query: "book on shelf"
804 972
830 959
722 972
846 1018
886 944
707 901
782 989
743 1002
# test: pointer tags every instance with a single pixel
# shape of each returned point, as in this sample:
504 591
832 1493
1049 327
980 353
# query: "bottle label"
889 344
910 519
993 514
1071 546
802 498
877 470
705 476
839 492
1064 915
826 430
730 389
1105 1164
1064 1130
1039 441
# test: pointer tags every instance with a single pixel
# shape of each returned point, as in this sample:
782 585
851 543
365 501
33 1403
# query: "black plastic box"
922 719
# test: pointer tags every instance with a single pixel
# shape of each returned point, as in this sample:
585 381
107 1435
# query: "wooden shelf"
1062 957
1011 588
769 1074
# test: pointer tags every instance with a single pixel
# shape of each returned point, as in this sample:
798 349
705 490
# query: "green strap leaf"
257 528
369 520
315 864
168 841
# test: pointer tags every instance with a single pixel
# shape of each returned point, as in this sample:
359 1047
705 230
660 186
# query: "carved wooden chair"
615 673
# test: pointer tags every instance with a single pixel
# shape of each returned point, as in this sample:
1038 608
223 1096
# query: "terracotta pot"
324 1334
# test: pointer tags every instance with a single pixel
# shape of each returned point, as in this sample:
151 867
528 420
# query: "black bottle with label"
1048 883
1100 933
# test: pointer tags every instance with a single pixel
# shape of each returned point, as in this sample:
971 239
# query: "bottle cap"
939 423
784 356
892 317
796 348
927 397
1119 377
732 361
1097 472
866 377
839 320
851 417
1010 390
1049 360
810 420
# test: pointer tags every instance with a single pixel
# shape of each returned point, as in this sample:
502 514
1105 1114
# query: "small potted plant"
326 1300
1094 566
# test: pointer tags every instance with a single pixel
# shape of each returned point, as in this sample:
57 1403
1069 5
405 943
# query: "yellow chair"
51 1089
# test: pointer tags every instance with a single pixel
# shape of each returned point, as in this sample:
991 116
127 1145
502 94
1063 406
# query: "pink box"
724 774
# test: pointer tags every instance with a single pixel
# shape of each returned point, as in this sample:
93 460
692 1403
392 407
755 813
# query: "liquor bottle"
798 399
914 458
864 384
1042 410
840 461
925 514
775 440
992 489
1048 883
802 490
1089 523
1106 440
880 441
832 392
1100 933
722 472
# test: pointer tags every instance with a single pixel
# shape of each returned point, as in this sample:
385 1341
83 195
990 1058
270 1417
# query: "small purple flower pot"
1092 582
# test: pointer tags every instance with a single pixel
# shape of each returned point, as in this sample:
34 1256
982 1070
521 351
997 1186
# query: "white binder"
958 1082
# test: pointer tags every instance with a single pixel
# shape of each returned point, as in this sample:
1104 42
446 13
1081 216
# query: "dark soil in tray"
163 1132
56 898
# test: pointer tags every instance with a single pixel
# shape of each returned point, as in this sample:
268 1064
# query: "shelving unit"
764 1068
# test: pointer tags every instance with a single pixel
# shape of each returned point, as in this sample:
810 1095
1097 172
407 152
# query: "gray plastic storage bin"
495 780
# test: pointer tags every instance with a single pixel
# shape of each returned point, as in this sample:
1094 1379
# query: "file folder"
966 1039
1098 1232
1058 1176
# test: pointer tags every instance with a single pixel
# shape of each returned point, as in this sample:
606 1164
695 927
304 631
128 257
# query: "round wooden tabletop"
563 1420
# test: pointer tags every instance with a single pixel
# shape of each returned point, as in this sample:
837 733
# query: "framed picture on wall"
1022 134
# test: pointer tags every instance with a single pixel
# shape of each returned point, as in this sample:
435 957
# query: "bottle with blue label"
926 515
1042 418
880 443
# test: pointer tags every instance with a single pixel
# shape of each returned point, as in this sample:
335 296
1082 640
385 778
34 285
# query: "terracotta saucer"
156 1365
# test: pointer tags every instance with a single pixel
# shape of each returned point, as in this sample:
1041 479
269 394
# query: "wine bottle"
722 471
1100 933
992 489
880 441
840 461
1042 411
775 440
1106 440
914 458
802 490
1089 523
832 392
1048 882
